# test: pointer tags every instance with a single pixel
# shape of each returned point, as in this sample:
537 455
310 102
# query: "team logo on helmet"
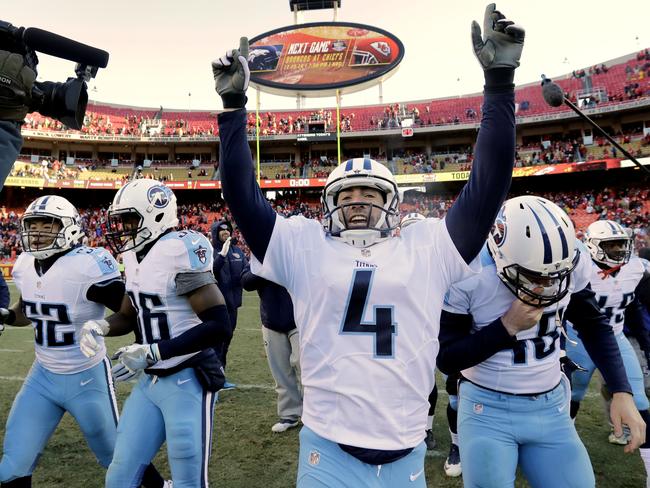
382 47
159 196
500 229
201 253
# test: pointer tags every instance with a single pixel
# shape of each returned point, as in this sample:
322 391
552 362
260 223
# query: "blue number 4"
382 327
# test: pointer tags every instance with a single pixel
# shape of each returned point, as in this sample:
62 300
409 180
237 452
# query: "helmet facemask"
126 231
537 289
54 234
611 257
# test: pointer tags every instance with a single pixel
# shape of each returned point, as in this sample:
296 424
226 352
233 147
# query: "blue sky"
161 50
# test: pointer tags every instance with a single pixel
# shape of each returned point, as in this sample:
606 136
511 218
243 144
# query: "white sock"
454 437
645 455
430 422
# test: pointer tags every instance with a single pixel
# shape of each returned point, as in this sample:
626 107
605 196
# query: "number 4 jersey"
532 364
151 286
56 304
368 321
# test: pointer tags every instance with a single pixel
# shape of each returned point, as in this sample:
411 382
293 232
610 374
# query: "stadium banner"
318 58
408 179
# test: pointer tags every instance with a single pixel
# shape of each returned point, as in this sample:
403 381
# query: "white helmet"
360 172
603 231
411 218
59 210
151 204
533 244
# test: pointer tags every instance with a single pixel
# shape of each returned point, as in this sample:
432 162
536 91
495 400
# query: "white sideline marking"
12 378
254 387
11 350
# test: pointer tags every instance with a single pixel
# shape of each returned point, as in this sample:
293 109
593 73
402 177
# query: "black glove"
568 367
502 41
16 82
6 317
231 76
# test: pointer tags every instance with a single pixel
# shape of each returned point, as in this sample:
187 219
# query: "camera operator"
16 82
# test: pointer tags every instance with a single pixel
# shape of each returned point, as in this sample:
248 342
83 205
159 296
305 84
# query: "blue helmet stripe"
614 229
548 250
348 165
565 246
43 203
366 164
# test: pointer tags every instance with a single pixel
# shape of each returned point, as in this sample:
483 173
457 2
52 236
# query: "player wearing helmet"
62 284
501 329
173 303
367 302
615 276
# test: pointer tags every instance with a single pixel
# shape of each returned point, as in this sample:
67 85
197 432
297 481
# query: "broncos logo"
201 253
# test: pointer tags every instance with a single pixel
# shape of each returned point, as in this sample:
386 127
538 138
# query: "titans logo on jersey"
615 292
532 365
151 286
56 304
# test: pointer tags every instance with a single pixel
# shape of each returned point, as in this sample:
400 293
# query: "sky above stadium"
160 50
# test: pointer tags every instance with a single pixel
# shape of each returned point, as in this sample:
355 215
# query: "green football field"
245 453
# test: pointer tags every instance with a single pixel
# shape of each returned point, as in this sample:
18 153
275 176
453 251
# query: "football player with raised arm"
179 316
62 284
367 302
615 274
501 330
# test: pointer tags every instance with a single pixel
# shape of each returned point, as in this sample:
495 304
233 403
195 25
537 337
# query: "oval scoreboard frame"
318 58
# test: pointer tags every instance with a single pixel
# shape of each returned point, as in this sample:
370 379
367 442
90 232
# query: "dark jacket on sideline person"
276 307
227 270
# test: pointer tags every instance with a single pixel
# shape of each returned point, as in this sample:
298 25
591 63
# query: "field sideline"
246 454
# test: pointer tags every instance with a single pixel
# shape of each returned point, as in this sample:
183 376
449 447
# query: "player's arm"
599 341
14 315
635 322
470 218
460 349
254 215
208 304
250 281
109 293
119 323
596 334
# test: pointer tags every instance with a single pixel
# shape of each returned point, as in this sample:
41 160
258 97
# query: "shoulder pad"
189 243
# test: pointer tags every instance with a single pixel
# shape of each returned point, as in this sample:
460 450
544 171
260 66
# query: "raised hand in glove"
6 317
225 248
16 82
88 336
231 76
502 41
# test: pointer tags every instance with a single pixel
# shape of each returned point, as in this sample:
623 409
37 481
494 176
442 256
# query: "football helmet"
534 248
371 51
142 210
608 231
411 218
263 58
57 209
367 173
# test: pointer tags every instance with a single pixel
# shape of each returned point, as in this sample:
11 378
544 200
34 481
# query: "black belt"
462 378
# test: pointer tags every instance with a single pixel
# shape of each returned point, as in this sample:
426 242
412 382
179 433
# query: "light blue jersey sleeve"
191 251
97 263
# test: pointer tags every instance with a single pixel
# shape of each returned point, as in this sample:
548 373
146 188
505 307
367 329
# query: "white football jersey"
615 292
151 286
368 321
56 304
532 365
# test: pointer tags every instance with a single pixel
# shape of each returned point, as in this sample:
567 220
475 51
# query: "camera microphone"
62 47
552 93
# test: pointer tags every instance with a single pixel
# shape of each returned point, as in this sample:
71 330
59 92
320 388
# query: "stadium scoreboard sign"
316 59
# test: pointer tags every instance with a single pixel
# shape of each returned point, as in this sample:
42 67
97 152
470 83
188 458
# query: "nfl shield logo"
201 253
365 253
478 408
314 458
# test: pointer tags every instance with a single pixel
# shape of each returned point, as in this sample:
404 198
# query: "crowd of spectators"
627 205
